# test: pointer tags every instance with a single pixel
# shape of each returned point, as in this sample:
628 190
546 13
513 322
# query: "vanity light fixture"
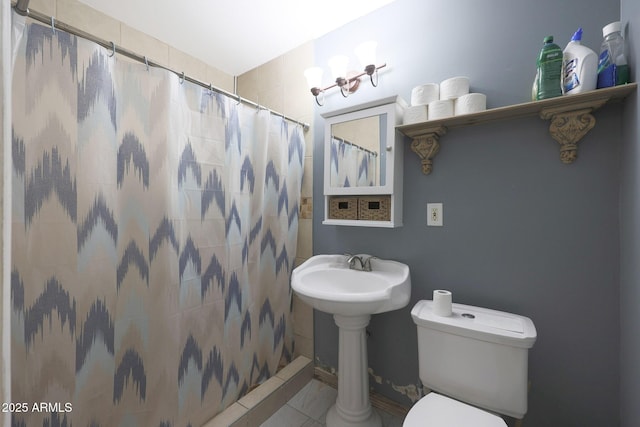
347 81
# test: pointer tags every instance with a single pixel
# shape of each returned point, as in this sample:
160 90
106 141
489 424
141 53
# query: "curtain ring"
53 25
181 78
210 89
146 62
113 49
239 100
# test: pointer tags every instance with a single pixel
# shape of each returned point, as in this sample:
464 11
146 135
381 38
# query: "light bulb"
314 77
366 53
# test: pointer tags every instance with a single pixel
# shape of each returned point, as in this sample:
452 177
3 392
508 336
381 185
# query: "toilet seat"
436 410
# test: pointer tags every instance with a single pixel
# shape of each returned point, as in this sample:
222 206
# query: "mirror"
360 151
357 152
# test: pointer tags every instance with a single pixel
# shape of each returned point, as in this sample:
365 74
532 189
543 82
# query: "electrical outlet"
434 214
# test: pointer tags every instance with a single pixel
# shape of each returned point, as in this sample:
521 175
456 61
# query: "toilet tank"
476 355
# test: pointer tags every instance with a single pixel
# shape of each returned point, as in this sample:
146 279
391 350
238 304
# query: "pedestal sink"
328 284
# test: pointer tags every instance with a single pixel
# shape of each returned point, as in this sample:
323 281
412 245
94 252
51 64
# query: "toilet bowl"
436 410
475 361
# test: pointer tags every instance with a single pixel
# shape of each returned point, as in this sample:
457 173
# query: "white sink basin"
327 284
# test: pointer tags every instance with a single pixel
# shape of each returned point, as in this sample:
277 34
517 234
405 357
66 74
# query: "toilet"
475 362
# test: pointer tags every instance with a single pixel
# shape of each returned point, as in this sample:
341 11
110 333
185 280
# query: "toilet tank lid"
479 323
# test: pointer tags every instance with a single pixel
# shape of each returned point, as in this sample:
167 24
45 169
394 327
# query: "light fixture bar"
343 82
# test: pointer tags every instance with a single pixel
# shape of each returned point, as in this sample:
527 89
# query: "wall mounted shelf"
570 118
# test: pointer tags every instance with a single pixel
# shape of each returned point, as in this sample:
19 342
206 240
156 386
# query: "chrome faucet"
352 262
365 265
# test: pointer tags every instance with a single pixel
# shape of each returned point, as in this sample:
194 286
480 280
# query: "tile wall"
85 18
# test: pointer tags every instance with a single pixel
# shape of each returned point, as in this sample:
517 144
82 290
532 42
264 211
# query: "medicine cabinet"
363 158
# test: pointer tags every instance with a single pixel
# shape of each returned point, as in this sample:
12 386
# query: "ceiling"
235 36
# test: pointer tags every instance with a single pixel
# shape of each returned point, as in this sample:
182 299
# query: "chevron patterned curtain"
352 165
154 232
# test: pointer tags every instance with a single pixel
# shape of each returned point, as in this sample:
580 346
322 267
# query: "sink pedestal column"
353 408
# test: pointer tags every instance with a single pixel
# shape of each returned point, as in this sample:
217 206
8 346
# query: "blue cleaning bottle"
612 65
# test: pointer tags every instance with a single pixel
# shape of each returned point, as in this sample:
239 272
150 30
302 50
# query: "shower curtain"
154 232
352 165
5 208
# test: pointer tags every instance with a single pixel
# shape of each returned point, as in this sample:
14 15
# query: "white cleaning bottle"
579 67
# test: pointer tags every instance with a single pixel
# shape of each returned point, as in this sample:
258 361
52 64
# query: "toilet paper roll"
423 95
440 109
470 103
454 87
442 303
415 114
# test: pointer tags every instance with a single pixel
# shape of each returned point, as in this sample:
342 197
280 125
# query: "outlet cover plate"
434 214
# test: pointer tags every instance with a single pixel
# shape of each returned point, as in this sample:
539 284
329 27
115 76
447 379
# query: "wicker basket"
374 208
343 207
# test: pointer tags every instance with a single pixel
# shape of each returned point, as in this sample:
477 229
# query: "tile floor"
309 407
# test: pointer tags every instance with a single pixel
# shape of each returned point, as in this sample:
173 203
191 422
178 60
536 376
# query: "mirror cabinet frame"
394 108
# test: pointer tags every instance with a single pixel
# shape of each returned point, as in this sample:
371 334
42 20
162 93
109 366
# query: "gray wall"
523 232
630 232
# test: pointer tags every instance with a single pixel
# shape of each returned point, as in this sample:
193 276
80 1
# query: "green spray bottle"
549 70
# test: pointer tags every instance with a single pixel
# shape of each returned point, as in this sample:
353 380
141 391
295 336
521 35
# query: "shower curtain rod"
356 146
22 8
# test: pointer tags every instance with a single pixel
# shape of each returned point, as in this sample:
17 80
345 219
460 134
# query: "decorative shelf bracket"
426 146
569 127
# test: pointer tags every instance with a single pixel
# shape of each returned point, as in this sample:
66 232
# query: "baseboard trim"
377 400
